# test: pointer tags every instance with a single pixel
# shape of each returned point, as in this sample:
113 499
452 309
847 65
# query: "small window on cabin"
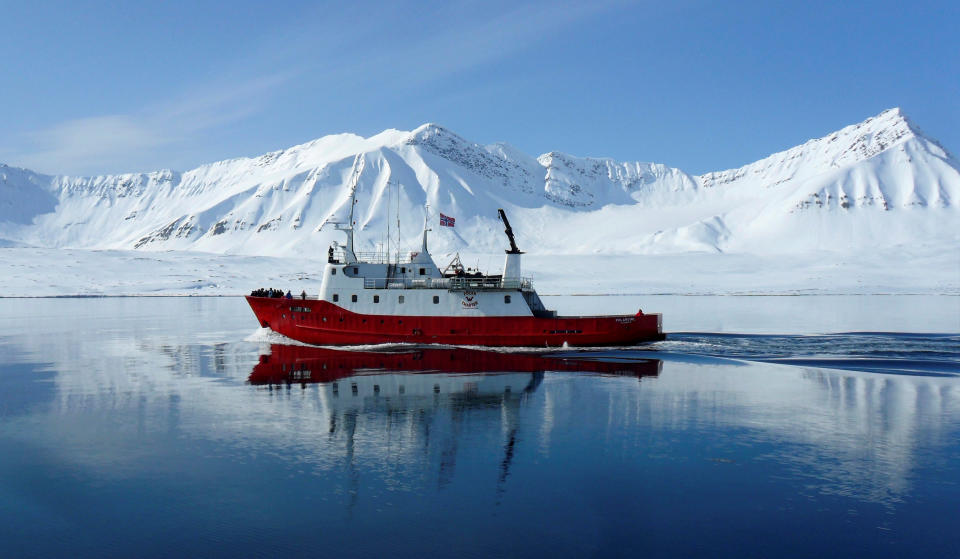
400 299
353 298
356 270
376 298
333 271
423 271
403 269
336 297
436 299
506 299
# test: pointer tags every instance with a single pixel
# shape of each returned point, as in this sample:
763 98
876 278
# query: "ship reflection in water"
286 364
419 382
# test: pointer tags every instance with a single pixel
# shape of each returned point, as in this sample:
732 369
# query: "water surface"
172 426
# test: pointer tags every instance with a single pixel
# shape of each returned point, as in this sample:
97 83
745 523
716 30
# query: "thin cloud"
461 41
125 143
461 48
326 52
91 143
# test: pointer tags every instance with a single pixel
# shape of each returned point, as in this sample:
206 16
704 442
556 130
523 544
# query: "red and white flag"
446 221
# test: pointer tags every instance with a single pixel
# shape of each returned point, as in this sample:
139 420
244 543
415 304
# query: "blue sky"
105 87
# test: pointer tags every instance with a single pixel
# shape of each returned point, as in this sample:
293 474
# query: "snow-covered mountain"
877 183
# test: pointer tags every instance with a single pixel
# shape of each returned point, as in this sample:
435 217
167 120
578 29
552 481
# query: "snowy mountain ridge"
879 182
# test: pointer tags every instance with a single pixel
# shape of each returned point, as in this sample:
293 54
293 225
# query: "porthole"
436 299
506 299
333 271
376 298
400 299
336 297
353 298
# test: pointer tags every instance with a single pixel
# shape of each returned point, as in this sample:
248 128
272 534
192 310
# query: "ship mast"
426 226
349 255
389 195
398 222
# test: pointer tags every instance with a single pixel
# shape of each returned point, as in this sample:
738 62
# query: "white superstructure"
415 286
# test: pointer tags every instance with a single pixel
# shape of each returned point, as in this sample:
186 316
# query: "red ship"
372 299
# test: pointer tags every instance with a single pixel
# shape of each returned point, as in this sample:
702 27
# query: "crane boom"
509 232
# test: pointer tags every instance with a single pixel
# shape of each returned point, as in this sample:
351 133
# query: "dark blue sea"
159 427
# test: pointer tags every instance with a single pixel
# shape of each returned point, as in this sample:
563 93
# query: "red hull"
291 363
323 323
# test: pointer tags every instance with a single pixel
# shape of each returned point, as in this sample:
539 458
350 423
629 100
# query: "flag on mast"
446 220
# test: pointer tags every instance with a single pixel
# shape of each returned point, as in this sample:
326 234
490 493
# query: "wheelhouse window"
353 298
376 298
506 299
436 299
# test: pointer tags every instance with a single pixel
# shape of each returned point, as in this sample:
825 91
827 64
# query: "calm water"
158 427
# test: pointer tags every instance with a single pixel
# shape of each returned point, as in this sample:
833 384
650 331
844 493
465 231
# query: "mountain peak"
893 117
897 119
840 149
440 140
431 133
893 113
868 138
890 118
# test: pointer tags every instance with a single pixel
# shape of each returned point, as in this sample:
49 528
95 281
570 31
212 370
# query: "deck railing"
454 284
373 257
